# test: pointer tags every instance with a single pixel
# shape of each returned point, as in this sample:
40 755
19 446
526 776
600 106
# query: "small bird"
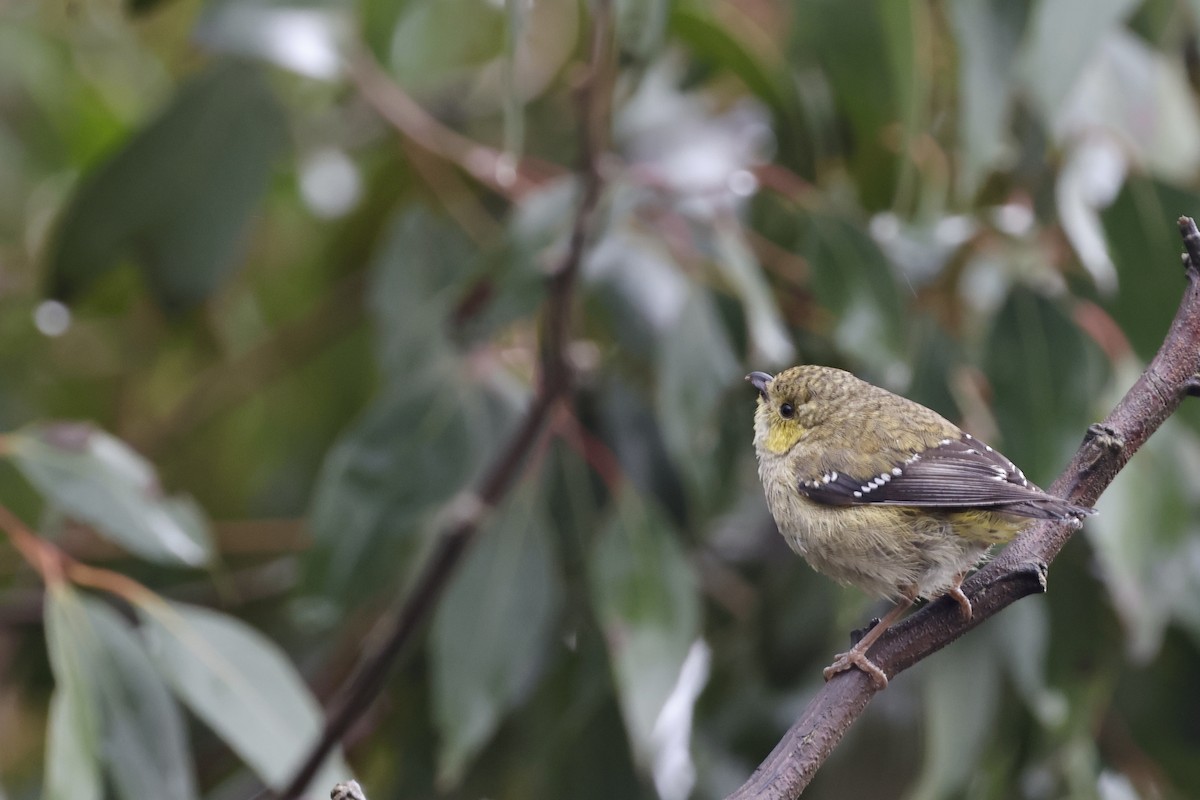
884 494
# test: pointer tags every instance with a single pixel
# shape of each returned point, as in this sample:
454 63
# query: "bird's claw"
964 603
856 658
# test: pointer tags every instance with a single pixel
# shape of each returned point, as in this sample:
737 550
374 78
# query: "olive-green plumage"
882 493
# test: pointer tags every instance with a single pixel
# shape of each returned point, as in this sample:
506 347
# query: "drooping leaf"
1140 537
110 709
422 438
178 195
863 50
438 43
769 337
96 478
417 277
1061 38
491 631
1044 373
765 73
645 597
853 280
987 33
243 687
73 745
1143 239
963 677
695 365
145 741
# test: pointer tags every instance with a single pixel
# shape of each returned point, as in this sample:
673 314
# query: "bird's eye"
787 410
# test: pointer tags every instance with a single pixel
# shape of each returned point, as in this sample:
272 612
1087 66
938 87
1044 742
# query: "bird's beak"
759 381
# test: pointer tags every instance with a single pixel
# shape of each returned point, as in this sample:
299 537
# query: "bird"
882 493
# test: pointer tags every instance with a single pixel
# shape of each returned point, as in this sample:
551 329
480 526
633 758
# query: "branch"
491 167
1019 571
468 511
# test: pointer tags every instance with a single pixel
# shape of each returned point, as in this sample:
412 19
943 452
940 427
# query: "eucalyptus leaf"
426 433
492 631
1060 41
177 197
769 337
145 742
73 743
96 478
644 594
1044 372
965 677
854 281
110 708
243 687
695 366
987 33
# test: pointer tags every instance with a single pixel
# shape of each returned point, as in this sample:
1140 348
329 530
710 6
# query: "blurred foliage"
261 323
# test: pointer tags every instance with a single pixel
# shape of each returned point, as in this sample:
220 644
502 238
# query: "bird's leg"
857 655
955 593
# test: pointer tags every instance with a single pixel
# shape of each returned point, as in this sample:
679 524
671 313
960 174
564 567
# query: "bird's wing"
956 473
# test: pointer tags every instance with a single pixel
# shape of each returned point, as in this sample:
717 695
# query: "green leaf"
243 687
178 196
1143 535
96 478
864 50
965 676
417 277
1144 242
145 741
72 760
110 707
1062 38
644 593
492 631
711 40
420 441
382 484
854 281
438 43
695 366
986 33
1044 372
73 737
769 338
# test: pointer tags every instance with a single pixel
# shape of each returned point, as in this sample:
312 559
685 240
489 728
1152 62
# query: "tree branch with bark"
1020 570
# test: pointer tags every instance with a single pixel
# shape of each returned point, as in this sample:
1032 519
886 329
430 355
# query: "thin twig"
554 384
1019 571
489 166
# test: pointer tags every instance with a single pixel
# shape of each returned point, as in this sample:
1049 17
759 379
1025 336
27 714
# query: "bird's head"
795 403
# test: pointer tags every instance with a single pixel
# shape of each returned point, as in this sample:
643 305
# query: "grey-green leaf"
73 736
645 597
492 631
178 196
145 741
695 366
96 478
243 687
109 708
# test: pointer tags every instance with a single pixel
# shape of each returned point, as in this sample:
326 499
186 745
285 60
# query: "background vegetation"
270 286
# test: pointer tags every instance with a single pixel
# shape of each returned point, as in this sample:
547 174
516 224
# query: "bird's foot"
857 658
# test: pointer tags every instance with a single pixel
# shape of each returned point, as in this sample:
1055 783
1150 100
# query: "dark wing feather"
957 473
